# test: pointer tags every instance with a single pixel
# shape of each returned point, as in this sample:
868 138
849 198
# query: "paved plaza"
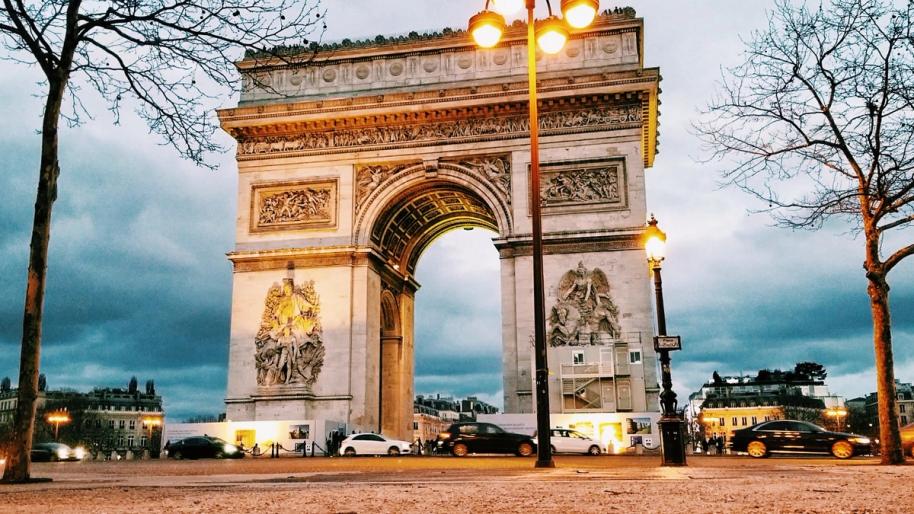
474 484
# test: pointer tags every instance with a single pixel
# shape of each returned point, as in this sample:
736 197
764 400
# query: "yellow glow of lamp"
551 35
507 7
654 242
58 418
580 13
486 27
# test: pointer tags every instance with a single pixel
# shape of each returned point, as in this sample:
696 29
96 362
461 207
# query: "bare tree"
819 123
167 57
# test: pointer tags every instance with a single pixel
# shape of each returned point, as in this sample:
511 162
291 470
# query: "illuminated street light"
507 7
487 27
150 423
580 13
671 432
57 418
837 413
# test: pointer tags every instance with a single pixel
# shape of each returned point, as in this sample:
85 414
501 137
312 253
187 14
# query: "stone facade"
352 163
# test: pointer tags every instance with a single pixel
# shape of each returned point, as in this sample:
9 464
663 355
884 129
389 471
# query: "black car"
463 438
789 436
53 452
202 447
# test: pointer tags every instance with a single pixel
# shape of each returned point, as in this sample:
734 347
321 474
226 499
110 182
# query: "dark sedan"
203 447
53 452
463 438
789 436
907 439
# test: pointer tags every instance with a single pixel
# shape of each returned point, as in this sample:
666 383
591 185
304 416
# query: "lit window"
634 356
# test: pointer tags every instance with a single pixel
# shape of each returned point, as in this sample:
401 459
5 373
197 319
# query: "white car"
373 444
572 441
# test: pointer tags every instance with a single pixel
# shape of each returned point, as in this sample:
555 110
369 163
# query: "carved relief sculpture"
291 206
288 347
584 312
583 185
469 128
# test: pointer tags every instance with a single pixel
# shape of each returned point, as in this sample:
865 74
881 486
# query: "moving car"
571 441
53 452
372 444
790 436
203 447
907 439
463 438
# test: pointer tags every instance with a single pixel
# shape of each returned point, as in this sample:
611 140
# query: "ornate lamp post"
671 431
550 34
57 418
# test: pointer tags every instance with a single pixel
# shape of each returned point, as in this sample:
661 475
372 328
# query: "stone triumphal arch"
353 162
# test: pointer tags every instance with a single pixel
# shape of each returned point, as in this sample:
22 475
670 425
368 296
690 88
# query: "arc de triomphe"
352 163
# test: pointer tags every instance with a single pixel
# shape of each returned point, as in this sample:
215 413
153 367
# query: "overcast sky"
139 284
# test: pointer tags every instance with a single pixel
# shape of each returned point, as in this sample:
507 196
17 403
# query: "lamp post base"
672 441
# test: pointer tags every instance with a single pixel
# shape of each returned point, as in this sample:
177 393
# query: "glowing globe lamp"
551 35
507 7
486 28
580 13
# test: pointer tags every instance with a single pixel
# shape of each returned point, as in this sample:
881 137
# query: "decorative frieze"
294 205
468 129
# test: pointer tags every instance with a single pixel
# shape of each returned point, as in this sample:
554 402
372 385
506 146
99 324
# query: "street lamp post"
57 418
838 413
550 34
671 432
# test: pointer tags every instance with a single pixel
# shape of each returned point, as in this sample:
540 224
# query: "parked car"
463 438
203 447
372 444
53 452
907 439
790 436
571 441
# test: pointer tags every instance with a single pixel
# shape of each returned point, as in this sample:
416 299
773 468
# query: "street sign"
667 343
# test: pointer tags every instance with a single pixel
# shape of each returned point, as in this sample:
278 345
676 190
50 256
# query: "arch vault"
350 164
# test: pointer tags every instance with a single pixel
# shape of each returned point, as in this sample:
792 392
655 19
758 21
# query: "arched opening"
402 232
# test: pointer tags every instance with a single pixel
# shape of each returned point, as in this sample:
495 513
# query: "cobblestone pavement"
475 484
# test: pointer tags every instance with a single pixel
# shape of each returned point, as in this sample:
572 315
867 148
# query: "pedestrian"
255 451
720 445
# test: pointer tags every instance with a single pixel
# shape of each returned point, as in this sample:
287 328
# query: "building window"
767 418
634 356
132 424
577 358
754 421
744 420
901 407
110 423
904 420
143 441
734 420
130 441
120 442
121 424
415 425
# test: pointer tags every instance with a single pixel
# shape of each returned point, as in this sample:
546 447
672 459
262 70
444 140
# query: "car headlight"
63 454
230 448
79 453
860 440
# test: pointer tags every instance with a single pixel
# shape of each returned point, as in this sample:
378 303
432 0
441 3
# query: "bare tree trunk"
889 434
19 464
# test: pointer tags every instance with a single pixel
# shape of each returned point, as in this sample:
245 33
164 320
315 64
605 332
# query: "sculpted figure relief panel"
289 347
585 185
295 205
584 313
453 131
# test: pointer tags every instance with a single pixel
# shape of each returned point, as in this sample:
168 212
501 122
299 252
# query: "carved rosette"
453 131
289 349
584 313
583 185
293 205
